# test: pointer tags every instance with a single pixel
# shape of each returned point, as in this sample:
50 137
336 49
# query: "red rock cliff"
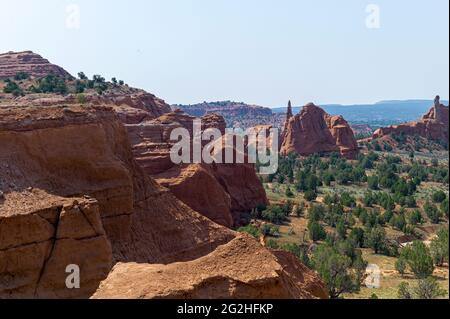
72 193
221 192
314 131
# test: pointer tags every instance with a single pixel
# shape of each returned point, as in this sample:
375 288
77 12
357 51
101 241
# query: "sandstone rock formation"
31 63
236 187
72 151
434 125
39 233
314 131
241 269
73 194
149 121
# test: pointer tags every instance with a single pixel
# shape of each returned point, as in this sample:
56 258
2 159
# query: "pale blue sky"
256 51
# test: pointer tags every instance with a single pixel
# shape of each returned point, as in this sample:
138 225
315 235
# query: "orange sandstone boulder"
241 269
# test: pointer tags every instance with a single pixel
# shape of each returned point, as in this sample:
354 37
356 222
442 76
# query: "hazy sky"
256 51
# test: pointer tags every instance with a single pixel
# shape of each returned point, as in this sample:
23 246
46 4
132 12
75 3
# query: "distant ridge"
379 114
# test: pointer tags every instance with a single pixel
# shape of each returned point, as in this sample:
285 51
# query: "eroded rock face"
314 131
31 63
71 151
40 235
73 194
434 125
241 269
236 187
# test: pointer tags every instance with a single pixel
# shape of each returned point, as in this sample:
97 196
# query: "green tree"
376 239
274 214
82 76
335 270
439 248
357 237
316 231
433 213
419 259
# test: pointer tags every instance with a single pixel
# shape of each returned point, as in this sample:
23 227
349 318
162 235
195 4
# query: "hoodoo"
434 125
314 131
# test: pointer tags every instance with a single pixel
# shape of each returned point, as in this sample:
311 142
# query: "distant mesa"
33 64
236 114
433 126
314 131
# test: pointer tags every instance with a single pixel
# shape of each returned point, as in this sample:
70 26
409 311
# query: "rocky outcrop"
30 63
40 235
72 194
236 187
78 150
434 125
314 131
241 269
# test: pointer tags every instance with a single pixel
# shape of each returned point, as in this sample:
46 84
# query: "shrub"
373 182
13 88
81 98
426 289
272 244
439 197
289 192
251 230
274 214
51 84
348 200
21 76
416 218
310 195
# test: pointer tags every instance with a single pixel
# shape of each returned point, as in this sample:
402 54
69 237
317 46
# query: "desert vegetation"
338 216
